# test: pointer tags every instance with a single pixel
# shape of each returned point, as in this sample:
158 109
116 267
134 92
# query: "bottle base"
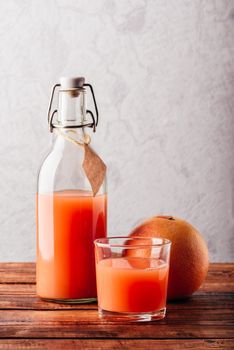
71 301
132 316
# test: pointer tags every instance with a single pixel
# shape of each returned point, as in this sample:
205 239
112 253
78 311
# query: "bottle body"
69 219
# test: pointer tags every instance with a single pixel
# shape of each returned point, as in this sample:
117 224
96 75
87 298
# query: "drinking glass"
132 277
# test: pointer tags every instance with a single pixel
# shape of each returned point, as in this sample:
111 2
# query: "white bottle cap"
71 83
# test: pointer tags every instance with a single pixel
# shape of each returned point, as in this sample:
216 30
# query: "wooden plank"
17 273
220 276
23 296
86 324
72 344
217 266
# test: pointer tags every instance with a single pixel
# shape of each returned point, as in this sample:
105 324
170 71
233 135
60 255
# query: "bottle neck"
71 112
71 107
64 141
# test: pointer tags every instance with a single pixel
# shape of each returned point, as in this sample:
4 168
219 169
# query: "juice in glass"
132 277
132 284
67 224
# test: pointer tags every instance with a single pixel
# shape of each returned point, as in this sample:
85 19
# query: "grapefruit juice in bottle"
70 216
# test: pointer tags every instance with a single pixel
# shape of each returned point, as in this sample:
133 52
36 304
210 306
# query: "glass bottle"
69 216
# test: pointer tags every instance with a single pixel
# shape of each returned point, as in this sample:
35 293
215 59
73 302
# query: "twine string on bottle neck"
86 137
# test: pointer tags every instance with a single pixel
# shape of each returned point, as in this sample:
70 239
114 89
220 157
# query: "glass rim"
105 242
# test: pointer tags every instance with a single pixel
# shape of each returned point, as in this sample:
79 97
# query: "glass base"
71 301
132 316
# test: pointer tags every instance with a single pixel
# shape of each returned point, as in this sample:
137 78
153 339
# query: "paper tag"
94 168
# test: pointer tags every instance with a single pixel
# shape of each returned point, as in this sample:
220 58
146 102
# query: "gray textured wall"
163 73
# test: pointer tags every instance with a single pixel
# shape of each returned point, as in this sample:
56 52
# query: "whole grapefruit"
189 259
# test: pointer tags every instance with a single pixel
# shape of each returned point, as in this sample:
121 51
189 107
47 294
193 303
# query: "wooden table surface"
205 321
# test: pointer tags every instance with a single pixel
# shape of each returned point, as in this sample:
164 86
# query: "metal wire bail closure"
51 115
